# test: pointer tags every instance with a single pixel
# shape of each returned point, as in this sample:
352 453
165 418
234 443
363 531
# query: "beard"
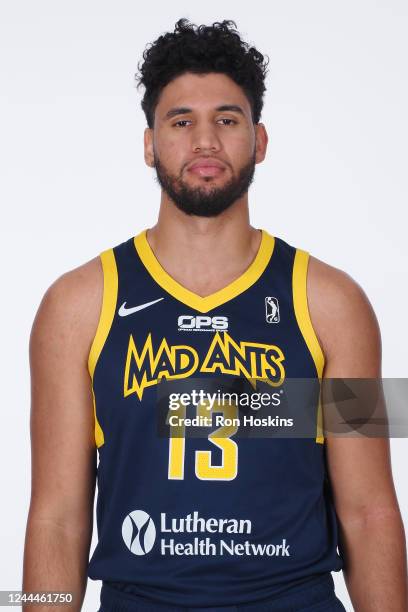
205 202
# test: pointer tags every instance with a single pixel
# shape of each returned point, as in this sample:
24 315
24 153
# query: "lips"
207 167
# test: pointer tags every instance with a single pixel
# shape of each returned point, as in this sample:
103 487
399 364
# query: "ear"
148 147
261 142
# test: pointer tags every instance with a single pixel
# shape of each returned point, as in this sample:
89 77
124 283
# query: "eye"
177 124
231 121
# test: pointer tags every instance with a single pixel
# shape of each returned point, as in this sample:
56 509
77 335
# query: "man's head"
203 99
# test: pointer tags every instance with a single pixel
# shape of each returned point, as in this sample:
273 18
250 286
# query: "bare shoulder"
70 308
348 331
62 418
341 313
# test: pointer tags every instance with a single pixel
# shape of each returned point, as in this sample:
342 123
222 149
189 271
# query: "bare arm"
372 539
59 525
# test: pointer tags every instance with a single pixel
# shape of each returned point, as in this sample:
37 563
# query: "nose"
205 138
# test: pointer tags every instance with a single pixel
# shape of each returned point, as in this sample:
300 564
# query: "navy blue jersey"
220 518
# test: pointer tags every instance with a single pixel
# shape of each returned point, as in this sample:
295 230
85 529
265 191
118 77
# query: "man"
203 301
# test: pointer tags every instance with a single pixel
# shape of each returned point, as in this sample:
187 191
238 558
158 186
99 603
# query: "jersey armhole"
107 313
302 313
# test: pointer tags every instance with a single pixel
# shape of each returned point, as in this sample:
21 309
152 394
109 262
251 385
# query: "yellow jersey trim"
303 318
110 292
205 304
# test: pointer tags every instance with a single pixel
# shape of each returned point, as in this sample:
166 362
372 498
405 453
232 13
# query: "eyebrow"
183 110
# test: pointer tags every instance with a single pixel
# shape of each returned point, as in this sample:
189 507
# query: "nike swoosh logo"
124 312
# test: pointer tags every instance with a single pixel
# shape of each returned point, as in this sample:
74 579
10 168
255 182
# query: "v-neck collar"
184 295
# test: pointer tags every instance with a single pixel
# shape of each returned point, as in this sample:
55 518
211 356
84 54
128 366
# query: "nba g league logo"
272 310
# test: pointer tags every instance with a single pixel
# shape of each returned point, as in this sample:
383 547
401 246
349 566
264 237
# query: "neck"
204 254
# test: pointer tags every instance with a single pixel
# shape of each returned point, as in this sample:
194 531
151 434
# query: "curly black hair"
201 50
